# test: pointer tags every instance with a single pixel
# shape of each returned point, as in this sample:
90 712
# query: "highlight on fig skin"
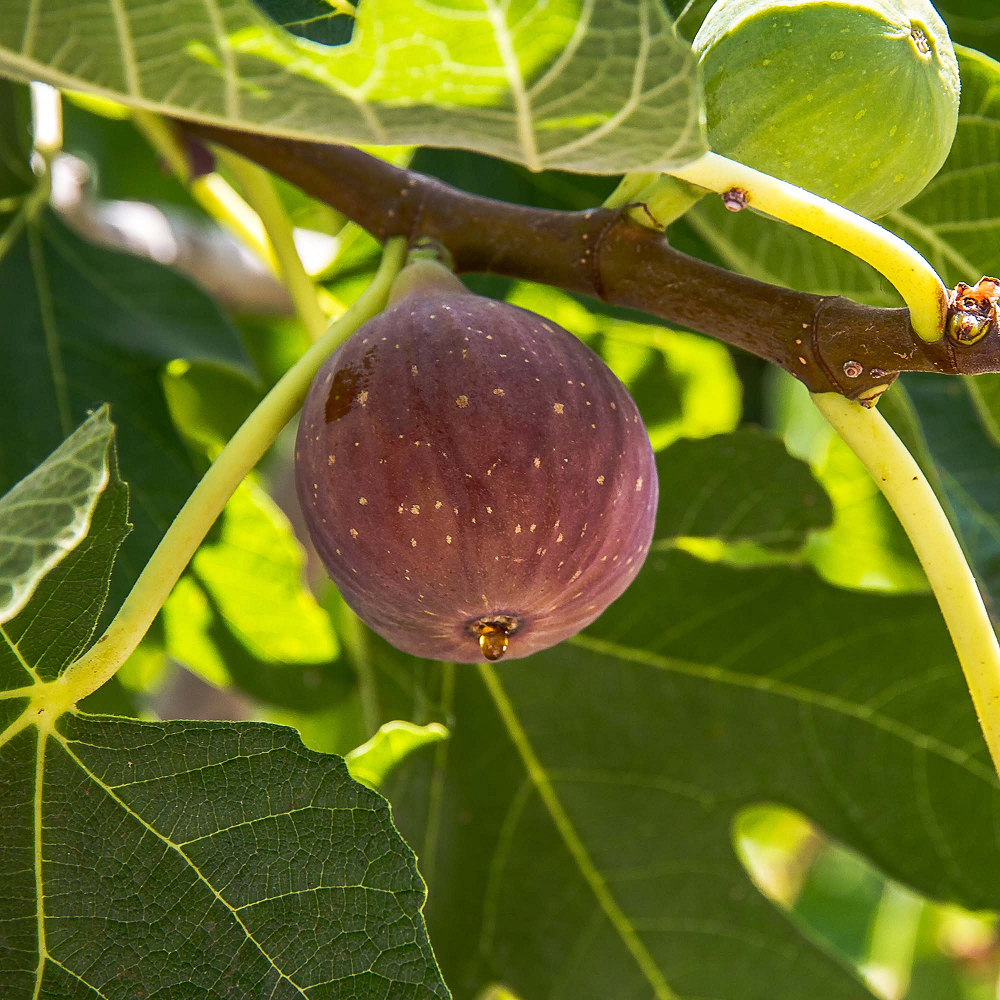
476 480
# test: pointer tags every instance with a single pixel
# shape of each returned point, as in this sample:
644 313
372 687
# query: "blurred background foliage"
255 631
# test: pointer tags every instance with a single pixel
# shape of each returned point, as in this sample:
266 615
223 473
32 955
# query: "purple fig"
475 479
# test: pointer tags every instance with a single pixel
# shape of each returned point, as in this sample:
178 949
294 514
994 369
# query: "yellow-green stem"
205 504
213 192
629 186
260 193
914 278
664 202
897 475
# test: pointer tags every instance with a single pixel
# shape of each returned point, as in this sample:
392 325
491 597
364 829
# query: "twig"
830 343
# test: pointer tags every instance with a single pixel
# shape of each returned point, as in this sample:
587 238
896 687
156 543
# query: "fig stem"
654 200
261 195
894 470
916 281
629 187
664 201
209 497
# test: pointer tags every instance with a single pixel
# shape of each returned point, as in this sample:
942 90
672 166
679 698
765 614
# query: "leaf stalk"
896 473
210 496
260 193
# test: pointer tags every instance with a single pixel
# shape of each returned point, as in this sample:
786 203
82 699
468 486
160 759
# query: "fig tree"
856 101
475 479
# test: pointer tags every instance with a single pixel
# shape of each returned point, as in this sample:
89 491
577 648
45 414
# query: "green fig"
856 101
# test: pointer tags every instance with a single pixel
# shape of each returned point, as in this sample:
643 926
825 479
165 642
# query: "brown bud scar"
920 39
736 199
972 311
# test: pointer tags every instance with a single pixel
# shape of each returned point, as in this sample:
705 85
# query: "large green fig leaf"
85 326
597 87
598 860
183 859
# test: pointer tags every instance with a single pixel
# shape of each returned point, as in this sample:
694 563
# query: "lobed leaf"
184 859
598 859
597 87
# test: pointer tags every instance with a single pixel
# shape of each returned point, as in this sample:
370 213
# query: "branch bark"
831 344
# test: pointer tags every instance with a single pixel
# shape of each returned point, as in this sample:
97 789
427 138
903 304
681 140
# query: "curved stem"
897 475
915 279
260 193
199 513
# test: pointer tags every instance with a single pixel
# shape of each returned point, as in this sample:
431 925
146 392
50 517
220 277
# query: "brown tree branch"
832 344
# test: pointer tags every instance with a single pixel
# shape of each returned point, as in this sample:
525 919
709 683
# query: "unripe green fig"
476 480
856 101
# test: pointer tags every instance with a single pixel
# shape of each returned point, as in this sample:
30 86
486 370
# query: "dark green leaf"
598 856
738 487
184 859
85 326
231 861
597 88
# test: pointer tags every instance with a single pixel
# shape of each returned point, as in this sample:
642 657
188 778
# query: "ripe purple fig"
475 479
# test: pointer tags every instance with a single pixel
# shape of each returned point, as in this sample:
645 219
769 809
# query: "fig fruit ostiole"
856 100
476 480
